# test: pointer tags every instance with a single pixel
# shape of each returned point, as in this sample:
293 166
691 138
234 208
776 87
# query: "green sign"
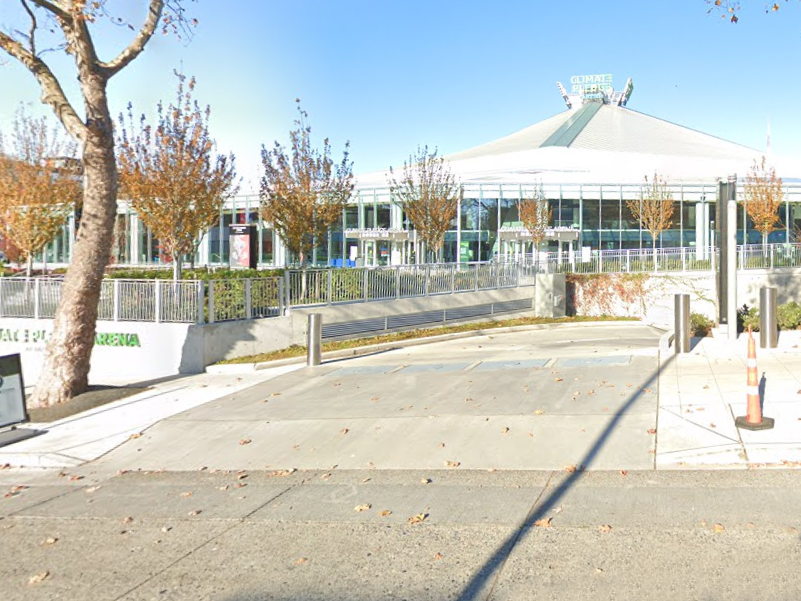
465 254
28 336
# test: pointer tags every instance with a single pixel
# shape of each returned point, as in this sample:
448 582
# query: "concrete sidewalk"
600 396
81 438
701 393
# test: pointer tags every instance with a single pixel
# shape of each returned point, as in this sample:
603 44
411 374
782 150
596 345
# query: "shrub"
788 316
748 316
700 324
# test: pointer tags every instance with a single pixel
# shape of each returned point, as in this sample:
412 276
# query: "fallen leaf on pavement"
51 540
416 519
718 528
385 513
365 480
558 379
364 507
344 431
452 464
374 399
712 425
36 578
196 512
279 473
652 431
301 560
244 441
505 431
646 390
134 436
93 488
599 571
75 478
325 476
425 481
276 394
570 468
543 523
224 487
438 556
624 473
605 528
539 412
127 520
531 434
241 476
441 445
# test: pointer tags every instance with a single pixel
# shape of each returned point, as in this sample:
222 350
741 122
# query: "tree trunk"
653 239
177 267
29 266
65 373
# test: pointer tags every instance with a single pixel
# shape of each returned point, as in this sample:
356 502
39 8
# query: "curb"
235 368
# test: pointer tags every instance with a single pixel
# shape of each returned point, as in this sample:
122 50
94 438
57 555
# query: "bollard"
681 329
314 339
768 328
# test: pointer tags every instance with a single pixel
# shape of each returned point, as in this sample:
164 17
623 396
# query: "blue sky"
390 76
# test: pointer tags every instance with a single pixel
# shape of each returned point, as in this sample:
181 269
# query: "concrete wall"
141 351
654 302
353 311
123 350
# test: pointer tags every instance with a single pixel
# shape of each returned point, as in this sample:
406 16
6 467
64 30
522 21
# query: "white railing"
331 286
197 301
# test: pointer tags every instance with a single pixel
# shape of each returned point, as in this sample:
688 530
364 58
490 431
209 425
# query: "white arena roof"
601 142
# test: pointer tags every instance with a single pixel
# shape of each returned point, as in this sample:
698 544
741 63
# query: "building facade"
590 161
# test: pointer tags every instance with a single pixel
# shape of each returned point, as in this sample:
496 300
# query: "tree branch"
52 92
135 48
54 8
32 34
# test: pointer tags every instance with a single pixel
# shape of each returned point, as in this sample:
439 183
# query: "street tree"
429 194
763 198
171 175
536 216
68 29
303 193
653 209
39 185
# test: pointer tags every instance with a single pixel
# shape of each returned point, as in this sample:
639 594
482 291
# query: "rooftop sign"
594 88
591 84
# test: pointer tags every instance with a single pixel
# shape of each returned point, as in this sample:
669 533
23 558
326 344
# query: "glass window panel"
382 216
470 212
509 214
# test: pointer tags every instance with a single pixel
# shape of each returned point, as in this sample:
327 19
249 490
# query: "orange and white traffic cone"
753 420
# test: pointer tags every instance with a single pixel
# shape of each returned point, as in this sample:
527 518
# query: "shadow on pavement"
493 567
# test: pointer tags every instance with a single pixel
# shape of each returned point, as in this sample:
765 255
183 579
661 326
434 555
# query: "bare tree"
303 193
66 26
535 215
429 194
38 186
654 209
763 198
171 175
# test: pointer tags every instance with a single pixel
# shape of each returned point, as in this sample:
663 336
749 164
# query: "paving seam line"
236 523
523 526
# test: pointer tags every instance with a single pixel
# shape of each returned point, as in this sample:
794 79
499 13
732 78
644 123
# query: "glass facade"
601 214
